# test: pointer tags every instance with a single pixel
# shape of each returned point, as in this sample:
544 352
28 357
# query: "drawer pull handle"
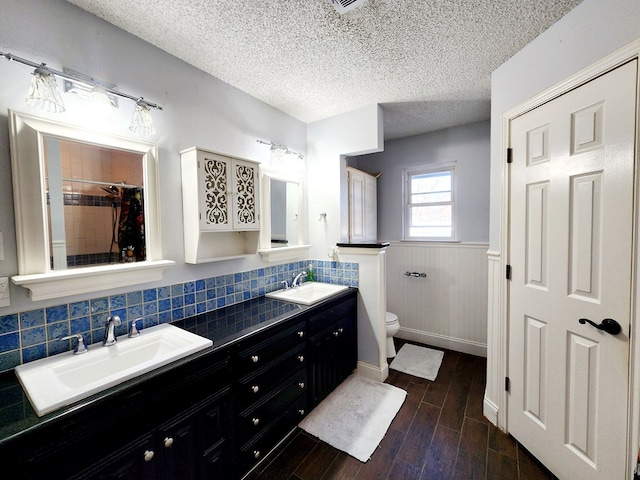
340 330
255 358
301 334
168 441
255 421
336 333
256 454
255 388
148 455
301 384
301 411
301 358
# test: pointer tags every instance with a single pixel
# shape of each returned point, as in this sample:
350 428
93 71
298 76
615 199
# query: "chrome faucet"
296 281
109 326
80 347
133 329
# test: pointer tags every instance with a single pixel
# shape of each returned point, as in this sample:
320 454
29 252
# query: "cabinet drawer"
256 388
332 314
255 418
258 448
268 346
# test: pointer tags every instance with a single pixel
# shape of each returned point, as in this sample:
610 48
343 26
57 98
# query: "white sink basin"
62 379
307 293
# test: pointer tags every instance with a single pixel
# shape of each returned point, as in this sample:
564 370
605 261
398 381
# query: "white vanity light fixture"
44 94
43 91
281 149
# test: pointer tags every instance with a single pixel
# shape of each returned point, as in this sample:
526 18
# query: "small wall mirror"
285 213
283 224
86 208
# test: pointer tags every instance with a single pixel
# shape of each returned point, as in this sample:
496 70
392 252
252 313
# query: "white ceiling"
427 62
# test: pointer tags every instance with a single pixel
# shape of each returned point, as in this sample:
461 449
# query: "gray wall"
199 111
466 145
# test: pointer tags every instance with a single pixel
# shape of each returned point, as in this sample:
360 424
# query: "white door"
570 248
362 206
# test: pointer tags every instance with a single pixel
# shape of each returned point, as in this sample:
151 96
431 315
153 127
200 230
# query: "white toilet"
392 328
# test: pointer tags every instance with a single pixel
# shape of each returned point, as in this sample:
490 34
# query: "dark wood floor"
439 433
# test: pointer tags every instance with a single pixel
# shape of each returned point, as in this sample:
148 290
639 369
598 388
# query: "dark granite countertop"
364 245
224 327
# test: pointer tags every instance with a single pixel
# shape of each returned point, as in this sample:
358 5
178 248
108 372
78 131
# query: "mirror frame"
27 135
301 249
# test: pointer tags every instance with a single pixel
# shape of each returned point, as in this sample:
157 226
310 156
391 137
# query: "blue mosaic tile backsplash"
28 336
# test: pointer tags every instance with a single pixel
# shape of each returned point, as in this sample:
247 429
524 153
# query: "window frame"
428 169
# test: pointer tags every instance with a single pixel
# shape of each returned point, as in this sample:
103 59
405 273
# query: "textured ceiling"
428 62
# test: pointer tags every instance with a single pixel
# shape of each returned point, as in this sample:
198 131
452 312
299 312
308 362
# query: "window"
430 203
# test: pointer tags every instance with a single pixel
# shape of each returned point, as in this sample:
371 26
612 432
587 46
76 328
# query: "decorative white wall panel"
585 250
535 370
537 233
448 307
494 391
538 145
586 128
582 375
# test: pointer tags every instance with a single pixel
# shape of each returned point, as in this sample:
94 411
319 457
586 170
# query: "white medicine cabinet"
221 206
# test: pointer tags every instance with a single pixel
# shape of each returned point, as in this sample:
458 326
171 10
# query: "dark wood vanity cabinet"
176 421
271 389
193 445
333 352
215 416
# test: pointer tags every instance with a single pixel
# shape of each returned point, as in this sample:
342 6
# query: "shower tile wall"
35 334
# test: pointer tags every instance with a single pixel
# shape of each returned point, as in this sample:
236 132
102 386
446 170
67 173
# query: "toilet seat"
391 318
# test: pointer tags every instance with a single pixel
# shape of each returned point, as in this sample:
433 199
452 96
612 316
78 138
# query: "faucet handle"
80 346
286 284
133 331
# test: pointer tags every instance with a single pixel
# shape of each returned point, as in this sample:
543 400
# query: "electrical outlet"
4 292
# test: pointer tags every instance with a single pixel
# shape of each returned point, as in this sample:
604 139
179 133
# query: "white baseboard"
490 410
374 373
436 340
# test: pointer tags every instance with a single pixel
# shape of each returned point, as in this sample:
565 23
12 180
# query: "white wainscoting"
494 392
448 308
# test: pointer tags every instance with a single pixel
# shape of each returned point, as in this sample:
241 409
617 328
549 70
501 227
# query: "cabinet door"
138 460
214 190
244 203
346 347
177 445
322 351
362 206
333 352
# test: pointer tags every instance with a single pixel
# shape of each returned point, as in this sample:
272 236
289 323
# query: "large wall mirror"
283 225
86 207
95 204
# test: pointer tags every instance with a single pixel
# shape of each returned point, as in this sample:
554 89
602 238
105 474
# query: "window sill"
64 283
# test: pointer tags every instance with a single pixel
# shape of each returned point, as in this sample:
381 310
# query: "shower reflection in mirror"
95 207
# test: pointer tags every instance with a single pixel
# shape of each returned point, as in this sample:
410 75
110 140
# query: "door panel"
570 248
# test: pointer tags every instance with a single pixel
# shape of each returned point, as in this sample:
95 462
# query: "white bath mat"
418 361
355 416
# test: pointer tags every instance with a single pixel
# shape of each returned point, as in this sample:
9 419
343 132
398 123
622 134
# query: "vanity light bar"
88 81
283 148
